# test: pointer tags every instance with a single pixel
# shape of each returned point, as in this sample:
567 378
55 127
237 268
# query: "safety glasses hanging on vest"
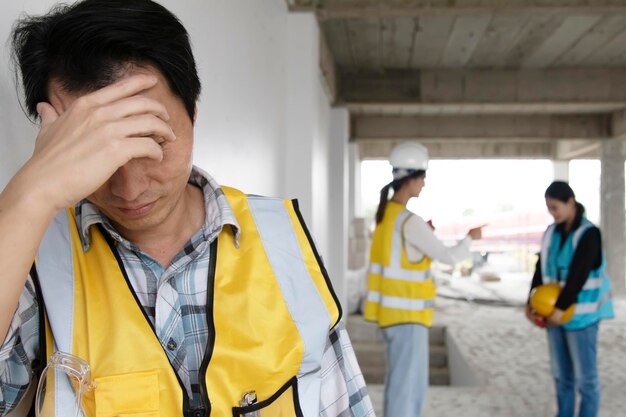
63 382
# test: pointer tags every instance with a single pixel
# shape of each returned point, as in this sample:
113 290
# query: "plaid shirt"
174 299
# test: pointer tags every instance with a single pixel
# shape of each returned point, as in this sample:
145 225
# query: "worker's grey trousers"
406 381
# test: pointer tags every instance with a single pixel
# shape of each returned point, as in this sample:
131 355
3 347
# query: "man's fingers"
47 114
142 147
145 125
136 105
126 87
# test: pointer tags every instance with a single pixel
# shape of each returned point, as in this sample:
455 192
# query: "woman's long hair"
561 191
395 185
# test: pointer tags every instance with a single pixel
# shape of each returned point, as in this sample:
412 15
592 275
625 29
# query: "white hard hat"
407 157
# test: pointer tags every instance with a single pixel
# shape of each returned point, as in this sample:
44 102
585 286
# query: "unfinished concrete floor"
510 360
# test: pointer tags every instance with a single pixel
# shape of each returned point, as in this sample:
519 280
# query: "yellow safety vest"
399 291
270 307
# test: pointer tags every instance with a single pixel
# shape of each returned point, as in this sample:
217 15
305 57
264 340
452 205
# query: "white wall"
241 51
16 132
354 182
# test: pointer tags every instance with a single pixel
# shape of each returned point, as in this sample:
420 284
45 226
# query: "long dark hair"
395 185
560 190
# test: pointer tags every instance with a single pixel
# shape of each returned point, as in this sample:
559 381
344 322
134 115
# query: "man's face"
144 193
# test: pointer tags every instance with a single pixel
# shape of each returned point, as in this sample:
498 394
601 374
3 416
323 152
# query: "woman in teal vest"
571 255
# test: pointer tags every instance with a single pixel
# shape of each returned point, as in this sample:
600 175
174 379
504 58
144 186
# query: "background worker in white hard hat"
401 291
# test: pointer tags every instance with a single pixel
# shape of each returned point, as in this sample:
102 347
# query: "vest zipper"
204 394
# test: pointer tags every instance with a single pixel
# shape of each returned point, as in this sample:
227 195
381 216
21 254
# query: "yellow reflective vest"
270 307
399 291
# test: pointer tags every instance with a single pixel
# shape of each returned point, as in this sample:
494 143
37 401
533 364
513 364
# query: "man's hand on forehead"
126 95
83 140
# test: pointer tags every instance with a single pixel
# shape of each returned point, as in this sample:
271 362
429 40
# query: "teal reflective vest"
594 300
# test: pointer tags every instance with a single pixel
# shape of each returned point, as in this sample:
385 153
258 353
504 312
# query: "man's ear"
195 113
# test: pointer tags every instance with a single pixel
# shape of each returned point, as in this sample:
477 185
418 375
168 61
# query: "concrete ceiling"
446 61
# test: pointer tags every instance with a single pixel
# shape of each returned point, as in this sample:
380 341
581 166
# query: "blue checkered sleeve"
19 350
344 393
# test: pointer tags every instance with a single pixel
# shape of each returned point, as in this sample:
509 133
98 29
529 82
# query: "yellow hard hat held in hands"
543 299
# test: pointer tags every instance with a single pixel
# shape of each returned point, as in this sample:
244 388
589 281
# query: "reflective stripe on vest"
399 302
264 345
399 273
594 300
398 291
587 308
54 259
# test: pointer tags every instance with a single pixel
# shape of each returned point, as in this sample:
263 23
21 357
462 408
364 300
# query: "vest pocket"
284 403
134 394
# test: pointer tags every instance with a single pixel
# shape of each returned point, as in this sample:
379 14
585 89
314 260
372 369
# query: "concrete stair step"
437 335
438 356
439 375
436 375
374 353
374 374
371 357
365 331
369 347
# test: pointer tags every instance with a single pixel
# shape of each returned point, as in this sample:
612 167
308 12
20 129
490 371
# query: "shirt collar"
218 211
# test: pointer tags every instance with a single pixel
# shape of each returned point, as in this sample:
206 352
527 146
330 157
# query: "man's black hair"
90 44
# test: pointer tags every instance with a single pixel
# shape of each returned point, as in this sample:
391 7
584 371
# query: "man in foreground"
183 297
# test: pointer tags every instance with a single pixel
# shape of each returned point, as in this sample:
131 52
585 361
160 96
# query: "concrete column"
354 179
339 191
561 170
612 211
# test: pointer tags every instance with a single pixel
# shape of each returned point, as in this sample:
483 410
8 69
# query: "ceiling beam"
443 109
577 149
568 86
480 127
460 149
341 9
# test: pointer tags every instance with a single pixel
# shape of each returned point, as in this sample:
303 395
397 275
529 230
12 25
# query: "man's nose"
129 181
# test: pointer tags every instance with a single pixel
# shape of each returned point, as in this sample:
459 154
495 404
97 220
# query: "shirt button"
198 413
171 344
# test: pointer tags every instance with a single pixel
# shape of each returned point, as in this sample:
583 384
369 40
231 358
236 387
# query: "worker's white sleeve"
420 241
